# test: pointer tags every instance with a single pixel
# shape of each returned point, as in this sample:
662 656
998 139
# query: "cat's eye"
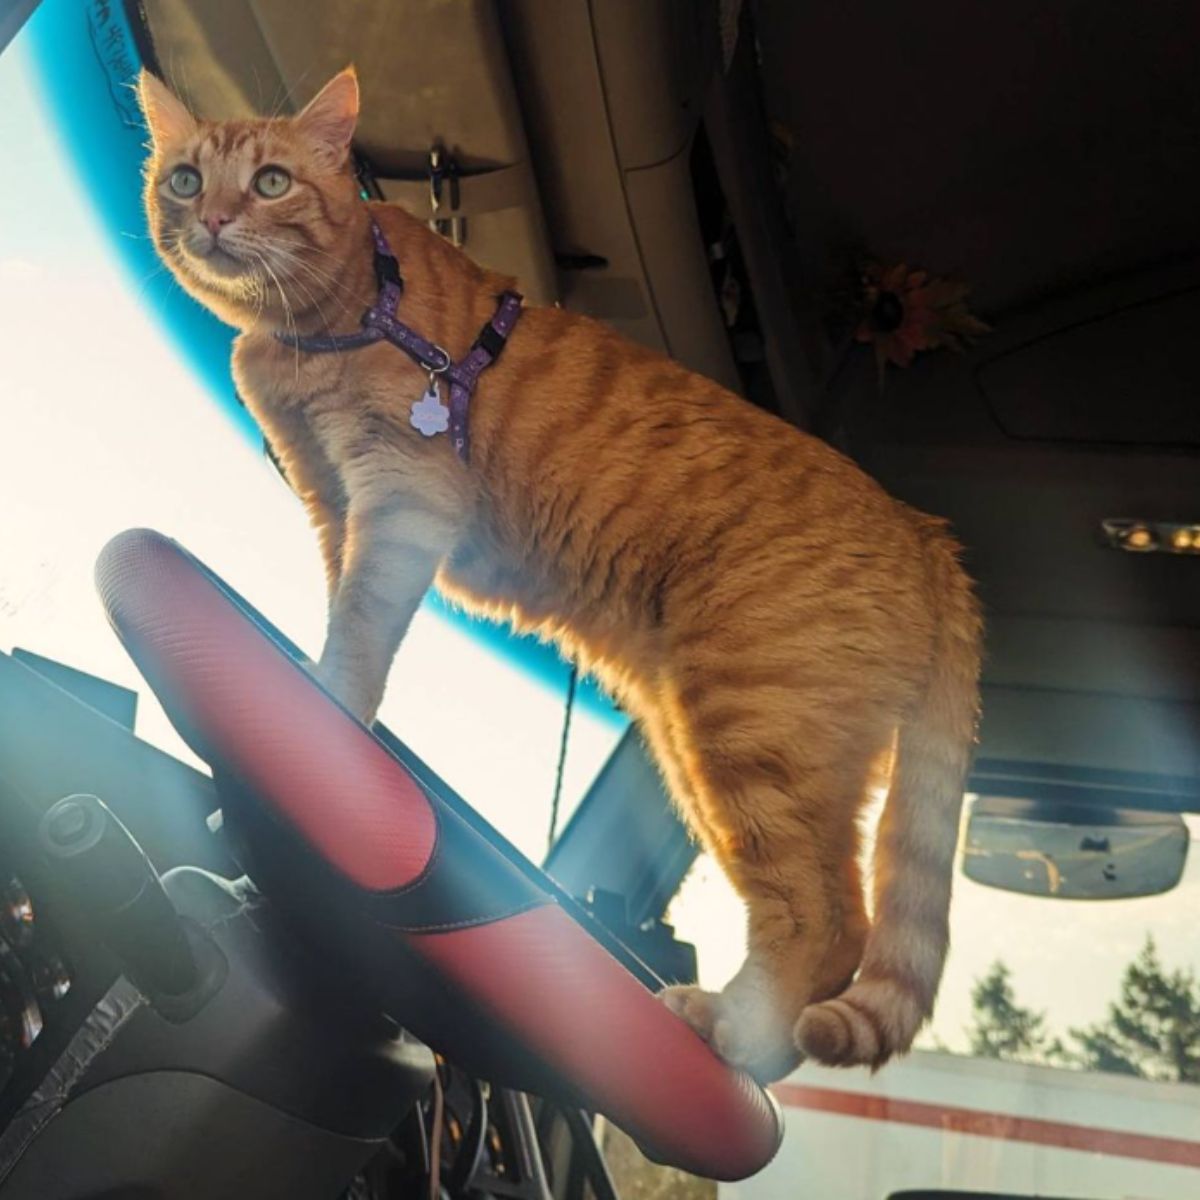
185 182
272 182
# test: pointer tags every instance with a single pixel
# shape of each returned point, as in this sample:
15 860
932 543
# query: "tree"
1002 1028
1152 1029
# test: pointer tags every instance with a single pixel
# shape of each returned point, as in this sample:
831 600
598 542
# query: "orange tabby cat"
765 611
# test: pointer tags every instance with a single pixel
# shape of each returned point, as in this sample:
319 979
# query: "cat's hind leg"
781 821
853 926
667 741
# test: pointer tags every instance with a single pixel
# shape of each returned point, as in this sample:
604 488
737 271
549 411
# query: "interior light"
1144 537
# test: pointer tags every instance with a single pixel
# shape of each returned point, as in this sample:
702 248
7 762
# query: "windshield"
107 426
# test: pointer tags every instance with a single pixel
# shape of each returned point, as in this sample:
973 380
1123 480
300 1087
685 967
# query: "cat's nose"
216 222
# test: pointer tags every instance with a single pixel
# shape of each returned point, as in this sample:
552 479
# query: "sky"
103 427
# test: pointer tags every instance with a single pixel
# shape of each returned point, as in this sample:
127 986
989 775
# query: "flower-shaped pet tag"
429 414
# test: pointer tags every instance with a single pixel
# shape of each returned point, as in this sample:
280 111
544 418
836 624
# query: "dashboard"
108 1087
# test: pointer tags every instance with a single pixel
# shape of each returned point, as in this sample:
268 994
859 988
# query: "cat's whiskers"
289 317
307 244
329 269
325 277
322 280
257 288
273 247
289 249
314 303
170 246
309 248
147 279
294 268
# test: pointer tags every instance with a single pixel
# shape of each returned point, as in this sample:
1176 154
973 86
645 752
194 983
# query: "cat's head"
239 208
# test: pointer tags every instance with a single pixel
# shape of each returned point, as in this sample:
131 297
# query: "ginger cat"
771 618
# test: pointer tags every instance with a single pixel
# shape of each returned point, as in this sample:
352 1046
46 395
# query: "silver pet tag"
429 414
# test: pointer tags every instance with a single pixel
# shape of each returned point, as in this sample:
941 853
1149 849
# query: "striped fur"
767 613
893 995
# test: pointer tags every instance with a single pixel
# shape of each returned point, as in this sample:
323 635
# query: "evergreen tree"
1002 1028
1152 1029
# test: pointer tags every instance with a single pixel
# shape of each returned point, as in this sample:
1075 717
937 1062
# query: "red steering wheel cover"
574 1006
230 687
242 702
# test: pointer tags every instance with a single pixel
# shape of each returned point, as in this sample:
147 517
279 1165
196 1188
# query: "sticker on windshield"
117 50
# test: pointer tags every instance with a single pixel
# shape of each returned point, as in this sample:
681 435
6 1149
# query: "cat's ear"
165 114
330 116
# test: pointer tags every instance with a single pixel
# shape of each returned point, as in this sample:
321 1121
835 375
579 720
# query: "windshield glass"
107 425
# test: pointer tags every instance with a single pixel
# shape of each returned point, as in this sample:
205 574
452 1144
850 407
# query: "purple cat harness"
380 323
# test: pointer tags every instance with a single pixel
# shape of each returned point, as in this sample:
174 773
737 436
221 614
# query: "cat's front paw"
693 1005
752 1038
741 1026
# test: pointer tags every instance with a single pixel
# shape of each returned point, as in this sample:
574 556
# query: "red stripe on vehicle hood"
979 1123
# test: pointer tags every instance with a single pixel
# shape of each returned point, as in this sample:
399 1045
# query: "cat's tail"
892 996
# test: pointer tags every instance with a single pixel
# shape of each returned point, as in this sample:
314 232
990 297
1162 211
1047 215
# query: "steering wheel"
411 893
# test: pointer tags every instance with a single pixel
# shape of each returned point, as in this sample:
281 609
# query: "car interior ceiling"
1044 156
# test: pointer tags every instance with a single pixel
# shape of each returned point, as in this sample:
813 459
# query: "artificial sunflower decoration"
905 311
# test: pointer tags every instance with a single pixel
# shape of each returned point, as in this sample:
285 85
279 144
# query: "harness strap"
380 323
464 374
